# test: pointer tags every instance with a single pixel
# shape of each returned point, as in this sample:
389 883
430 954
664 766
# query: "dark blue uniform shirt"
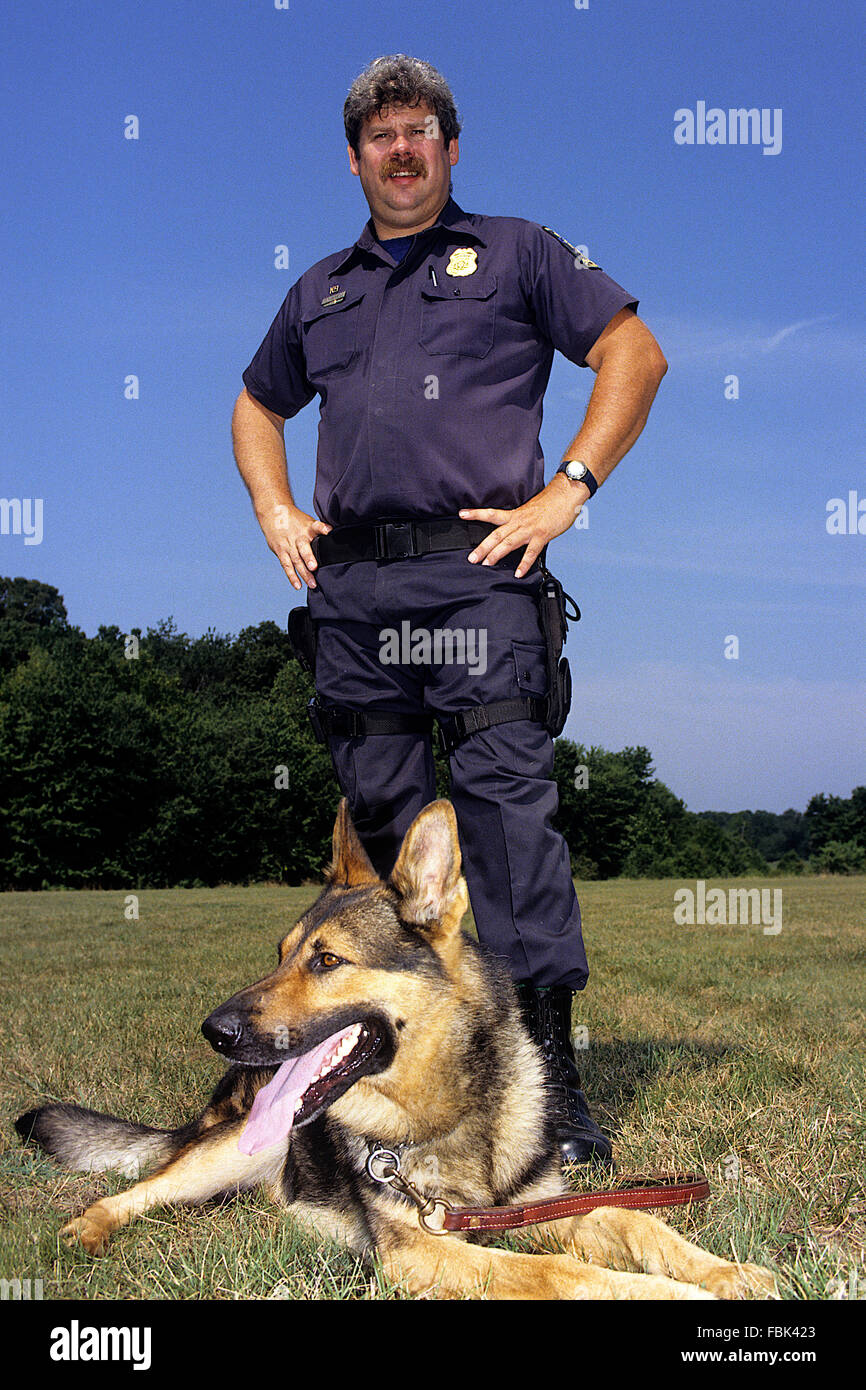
431 372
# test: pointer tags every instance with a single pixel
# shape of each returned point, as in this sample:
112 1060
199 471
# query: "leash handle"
655 1190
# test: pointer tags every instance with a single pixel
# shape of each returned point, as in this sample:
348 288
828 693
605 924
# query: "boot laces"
556 1047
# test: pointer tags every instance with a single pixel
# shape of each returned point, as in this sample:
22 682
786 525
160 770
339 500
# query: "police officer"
429 343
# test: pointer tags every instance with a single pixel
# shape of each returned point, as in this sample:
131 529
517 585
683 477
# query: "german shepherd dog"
384 1025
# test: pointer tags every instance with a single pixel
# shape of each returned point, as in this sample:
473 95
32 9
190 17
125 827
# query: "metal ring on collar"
387 1155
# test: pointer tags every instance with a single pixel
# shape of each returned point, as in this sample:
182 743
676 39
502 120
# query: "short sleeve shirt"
431 373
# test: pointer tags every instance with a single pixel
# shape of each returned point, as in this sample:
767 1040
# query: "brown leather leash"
654 1190
639 1194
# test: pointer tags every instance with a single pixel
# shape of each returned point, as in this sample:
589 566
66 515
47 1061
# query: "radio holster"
302 636
554 615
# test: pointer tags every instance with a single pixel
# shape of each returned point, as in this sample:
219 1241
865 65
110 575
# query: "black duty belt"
398 539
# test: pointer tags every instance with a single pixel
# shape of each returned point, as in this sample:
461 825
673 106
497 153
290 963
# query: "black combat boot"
547 1015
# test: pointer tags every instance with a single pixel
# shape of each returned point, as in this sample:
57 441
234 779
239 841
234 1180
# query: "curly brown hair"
397 80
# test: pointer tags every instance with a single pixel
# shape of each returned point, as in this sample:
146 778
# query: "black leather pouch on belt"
302 635
554 615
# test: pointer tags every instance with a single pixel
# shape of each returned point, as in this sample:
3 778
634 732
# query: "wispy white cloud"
784 333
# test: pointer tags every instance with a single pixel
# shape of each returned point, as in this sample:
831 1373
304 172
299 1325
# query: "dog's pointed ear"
427 873
350 866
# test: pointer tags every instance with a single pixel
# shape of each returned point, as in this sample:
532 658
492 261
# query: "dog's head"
357 975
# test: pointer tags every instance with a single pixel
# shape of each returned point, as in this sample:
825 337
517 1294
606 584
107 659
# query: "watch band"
577 476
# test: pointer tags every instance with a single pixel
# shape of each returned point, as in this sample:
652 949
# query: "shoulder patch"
581 261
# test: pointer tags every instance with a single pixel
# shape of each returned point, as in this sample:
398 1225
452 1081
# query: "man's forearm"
260 454
628 377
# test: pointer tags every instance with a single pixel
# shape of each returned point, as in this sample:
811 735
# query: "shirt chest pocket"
331 337
458 316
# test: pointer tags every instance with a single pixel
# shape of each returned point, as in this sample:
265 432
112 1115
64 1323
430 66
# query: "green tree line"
155 759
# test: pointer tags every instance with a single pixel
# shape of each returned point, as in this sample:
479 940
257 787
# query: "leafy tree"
837 818
85 759
31 614
649 844
30 601
771 835
705 850
790 863
601 796
165 769
839 857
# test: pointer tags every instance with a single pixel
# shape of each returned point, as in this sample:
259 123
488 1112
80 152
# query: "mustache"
403 166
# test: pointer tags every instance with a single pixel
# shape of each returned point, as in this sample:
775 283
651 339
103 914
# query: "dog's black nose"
223 1029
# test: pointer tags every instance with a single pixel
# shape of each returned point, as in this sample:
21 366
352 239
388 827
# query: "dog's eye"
326 960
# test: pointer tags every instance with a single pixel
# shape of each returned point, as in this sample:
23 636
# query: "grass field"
717 1048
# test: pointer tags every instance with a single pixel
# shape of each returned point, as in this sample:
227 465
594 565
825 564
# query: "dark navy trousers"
383 641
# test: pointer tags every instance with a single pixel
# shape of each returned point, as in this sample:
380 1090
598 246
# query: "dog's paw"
88 1231
741 1281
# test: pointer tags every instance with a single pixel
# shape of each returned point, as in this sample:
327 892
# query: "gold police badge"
464 261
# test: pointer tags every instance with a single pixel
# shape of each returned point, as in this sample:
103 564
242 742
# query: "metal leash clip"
393 1176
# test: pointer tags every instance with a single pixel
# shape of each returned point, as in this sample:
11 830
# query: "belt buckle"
395 540
452 731
353 723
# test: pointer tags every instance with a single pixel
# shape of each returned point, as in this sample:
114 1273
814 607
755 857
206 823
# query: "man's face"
404 167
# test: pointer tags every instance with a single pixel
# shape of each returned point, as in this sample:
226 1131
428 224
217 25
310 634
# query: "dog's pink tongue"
273 1109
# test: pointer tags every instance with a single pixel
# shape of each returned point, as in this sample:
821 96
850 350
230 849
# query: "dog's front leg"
635 1240
210 1165
445 1266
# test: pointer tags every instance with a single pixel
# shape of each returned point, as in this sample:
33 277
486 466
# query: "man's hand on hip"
289 533
538 521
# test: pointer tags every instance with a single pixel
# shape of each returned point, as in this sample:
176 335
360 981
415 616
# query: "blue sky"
155 257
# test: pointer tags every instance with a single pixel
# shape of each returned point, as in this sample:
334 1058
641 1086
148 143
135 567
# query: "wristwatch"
577 472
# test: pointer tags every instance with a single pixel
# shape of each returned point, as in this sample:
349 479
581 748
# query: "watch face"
575 471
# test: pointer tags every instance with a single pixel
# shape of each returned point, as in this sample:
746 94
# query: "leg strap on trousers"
354 723
343 722
457 727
